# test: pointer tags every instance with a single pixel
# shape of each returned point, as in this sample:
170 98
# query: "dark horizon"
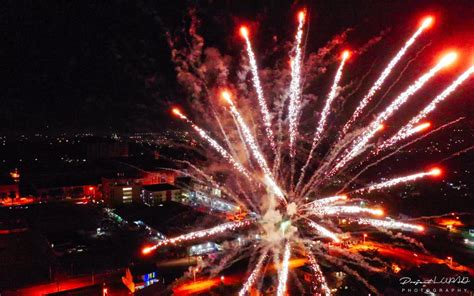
78 67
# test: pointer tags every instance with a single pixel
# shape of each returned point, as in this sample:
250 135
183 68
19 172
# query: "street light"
365 236
450 259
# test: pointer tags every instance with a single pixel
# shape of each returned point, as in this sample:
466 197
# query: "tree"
12 195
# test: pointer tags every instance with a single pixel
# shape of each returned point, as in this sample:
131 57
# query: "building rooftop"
160 187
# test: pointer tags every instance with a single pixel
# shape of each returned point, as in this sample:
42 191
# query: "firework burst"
288 217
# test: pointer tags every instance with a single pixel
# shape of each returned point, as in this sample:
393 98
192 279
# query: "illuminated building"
158 193
202 249
123 188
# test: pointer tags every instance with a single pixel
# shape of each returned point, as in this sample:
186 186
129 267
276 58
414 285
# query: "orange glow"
201 286
365 234
293 263
346 54
420 228
379 212
147 250
449 222
244 31
423 126
436 172
196 287
427 22
301 16
15 174
449 58
406 256
381 127
226 96
344 196
176 111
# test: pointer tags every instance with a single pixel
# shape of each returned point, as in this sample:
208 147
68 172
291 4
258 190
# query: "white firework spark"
295 87
324 117
254 275
267 120
399 180
390 224
283 272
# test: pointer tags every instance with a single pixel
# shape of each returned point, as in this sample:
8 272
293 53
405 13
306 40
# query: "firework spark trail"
230 226
326 200
457 154
295 87
324 115
267 121
254 275
409 129
283 273
337 210
323 231
390 224
252 143
394 82
396 151
399 180
358 147
232 256
244 147
328 159
224 153
320 175
317 274
365 101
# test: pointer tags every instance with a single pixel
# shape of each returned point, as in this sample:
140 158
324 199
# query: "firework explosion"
279 186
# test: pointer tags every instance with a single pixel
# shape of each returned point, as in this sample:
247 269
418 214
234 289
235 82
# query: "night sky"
105 66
